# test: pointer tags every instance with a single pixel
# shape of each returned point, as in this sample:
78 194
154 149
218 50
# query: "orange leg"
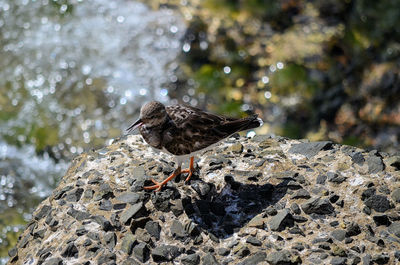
189 170
159 185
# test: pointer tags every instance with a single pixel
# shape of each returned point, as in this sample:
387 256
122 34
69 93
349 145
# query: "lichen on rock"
277 201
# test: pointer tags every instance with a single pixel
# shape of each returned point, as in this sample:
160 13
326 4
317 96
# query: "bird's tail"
238 125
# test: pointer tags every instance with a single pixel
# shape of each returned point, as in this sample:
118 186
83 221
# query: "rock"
153 228
310 149
70 251
261 205
130 212
254 259
253 241
127 243
43 212
338 234
353 229
192 259
178 231
381 220
257 221
357 158
394 228
338 261
378 203
53 261
396 195
318 206
141 252
110 239
209 259
165 253
223 251
237 148
301 194
321 179
107 258
282 220
128 197
280 258
375 164
381 258
335 178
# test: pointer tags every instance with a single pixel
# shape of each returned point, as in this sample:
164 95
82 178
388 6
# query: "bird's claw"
156 187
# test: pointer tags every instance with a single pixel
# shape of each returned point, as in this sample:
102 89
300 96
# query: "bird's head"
151 114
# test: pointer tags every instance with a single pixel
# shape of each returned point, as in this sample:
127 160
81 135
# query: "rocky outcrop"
251 201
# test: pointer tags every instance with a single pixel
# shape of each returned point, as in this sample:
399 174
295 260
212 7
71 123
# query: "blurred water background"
74 73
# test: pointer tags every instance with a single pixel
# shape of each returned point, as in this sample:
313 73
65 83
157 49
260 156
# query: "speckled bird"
183 131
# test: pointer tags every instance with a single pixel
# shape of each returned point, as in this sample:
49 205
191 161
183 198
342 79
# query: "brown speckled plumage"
183 130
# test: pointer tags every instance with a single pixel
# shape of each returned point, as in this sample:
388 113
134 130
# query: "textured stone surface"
250 201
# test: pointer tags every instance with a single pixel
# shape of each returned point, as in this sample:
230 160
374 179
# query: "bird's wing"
198 129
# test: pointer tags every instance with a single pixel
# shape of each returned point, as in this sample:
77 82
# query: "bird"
184 131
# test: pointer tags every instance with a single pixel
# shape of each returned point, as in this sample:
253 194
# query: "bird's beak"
134 126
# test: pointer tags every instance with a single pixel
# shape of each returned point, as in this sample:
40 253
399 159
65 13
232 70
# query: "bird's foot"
190 173
159 185
189 170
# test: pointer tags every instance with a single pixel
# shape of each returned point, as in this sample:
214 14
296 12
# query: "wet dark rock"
282 220
318 206
103 222
153 228
70 251
381 220
295 208
299 219
141 252
338 234
165 253
201 188
368 193
321 179
43 212
379 203
357 158
74 195
333 198
78 215
161 200
119 206
105 191
139 223
131 212
192 259
381 258
310 149
353 229
254 259
335 178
